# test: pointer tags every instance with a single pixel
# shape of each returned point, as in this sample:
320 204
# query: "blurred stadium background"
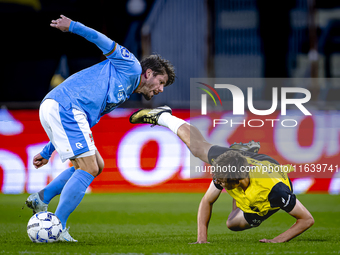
202 38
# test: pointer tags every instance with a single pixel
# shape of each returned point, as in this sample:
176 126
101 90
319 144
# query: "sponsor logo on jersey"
120 95
125 53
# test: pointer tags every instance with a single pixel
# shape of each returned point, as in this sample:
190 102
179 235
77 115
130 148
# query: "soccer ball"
44 227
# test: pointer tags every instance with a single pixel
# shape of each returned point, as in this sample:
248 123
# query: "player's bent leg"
39 201
56 185
72 138
190 135
158 116
74 189
99 159
195 141
236 221
88 164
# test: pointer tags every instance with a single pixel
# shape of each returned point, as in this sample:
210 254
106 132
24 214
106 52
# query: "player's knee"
235 226
231 226
228 224
87 164
100 162
91 167
100 167
93 170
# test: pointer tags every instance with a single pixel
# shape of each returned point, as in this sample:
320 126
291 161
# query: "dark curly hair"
159 66
230 158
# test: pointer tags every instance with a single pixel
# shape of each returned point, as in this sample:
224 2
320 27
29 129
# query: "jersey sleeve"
123 60
281 196
47 151
104 43
218 186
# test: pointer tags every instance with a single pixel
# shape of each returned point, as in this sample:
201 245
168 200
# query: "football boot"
35 203
66 237
251 146
149 116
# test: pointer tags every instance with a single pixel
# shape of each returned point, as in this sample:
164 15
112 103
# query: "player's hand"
199 242
63 23
268 241
39 161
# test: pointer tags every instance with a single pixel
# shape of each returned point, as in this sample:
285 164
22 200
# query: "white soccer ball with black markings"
44 227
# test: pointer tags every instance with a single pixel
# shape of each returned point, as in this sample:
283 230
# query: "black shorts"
255 220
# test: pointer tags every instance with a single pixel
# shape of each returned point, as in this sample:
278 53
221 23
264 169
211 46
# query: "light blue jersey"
101 88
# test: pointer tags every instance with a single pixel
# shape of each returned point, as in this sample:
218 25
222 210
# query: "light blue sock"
72 194
56 186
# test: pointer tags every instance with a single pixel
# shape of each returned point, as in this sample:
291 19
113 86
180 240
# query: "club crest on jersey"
125 53
79 145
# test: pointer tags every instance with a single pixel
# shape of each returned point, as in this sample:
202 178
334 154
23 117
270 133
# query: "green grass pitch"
141 223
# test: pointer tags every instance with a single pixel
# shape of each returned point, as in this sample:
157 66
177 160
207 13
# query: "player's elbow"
310 221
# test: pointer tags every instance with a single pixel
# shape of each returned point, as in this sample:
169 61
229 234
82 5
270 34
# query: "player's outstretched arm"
204 212
65 24
304 220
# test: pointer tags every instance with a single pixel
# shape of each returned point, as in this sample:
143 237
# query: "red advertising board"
139 158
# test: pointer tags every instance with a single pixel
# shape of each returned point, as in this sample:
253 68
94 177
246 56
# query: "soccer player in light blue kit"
69 111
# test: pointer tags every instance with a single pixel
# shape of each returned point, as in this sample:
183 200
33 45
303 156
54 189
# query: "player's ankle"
164 119
174 123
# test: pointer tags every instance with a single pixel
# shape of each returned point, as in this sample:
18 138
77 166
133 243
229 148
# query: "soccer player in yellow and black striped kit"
257 183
